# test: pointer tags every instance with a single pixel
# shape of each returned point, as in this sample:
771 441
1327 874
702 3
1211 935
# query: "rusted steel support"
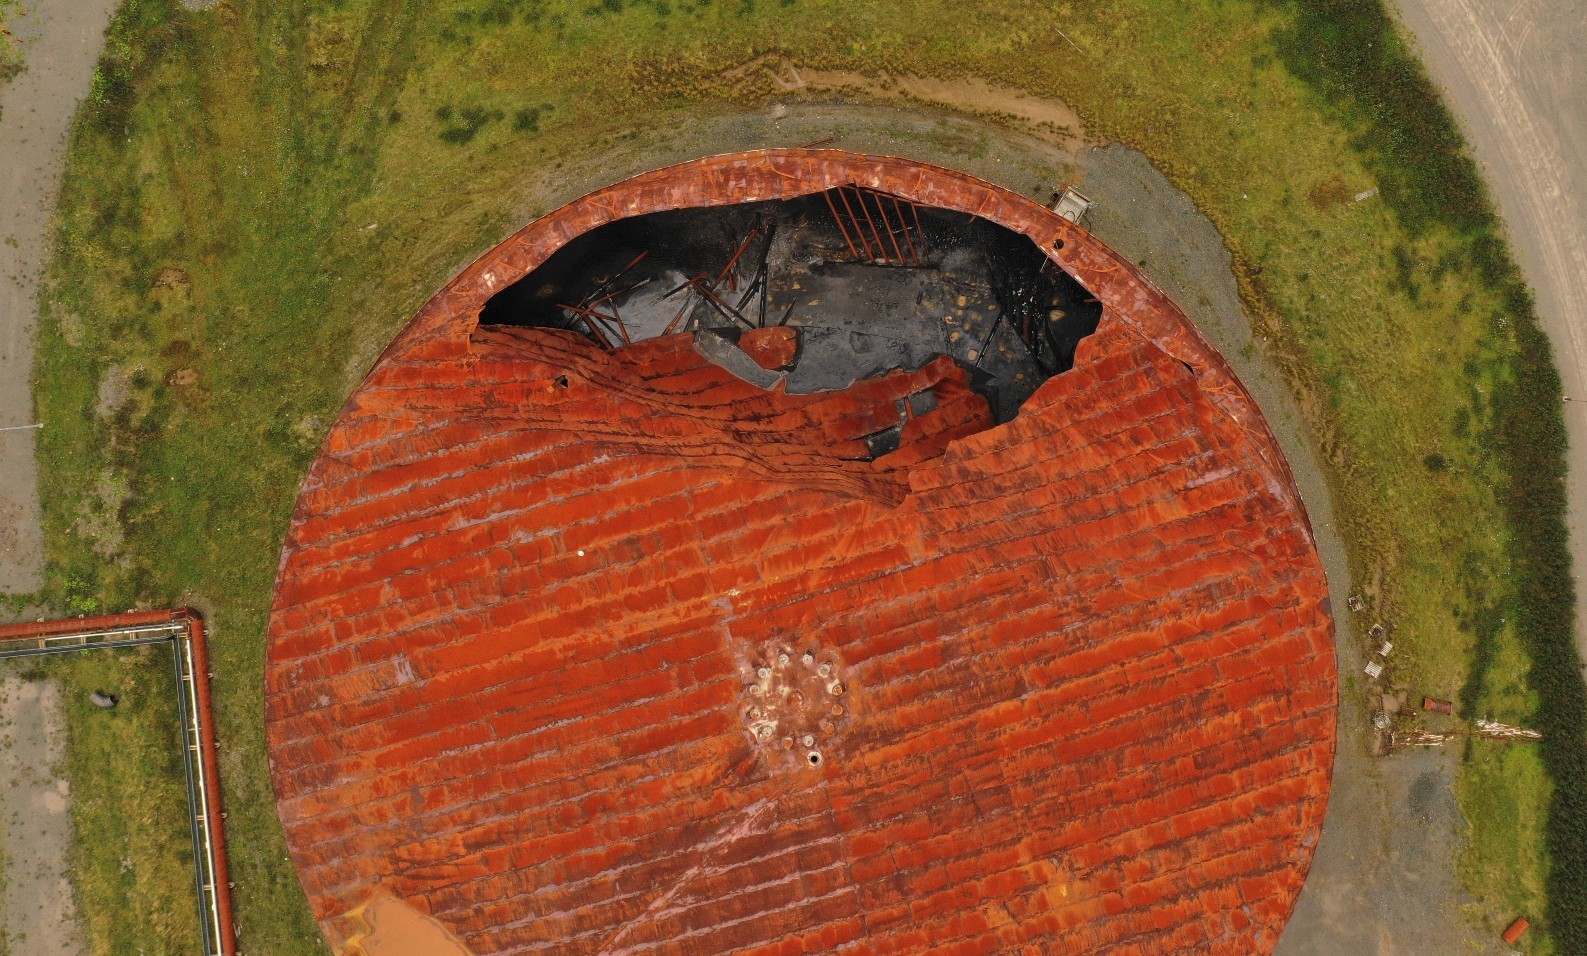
614 294
622 327
588 318
590 315
749 290
919 230
727 311
600 336
757 284
881 250
839 220
762 279
673 325
887 224
727 270
990 335
904 223
684 309
857 230
614 277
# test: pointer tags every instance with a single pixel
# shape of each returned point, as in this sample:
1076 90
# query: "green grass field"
259 196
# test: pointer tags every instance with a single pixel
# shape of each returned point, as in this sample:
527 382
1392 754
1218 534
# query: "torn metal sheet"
546 653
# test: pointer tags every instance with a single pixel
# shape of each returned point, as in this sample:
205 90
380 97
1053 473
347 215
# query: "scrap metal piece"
1072 204
1419 738
1494 730
724 353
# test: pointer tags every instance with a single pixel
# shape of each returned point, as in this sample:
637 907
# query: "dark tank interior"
871 282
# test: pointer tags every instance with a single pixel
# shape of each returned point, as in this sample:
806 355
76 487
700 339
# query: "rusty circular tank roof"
578 650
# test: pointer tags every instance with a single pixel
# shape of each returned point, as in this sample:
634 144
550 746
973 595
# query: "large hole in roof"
872 283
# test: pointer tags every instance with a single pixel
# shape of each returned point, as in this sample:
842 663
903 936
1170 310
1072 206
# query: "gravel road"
1515 75
63 39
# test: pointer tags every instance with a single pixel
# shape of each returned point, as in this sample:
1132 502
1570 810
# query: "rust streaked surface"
1086 668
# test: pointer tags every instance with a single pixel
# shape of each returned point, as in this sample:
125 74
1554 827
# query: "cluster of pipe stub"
794 704
872 282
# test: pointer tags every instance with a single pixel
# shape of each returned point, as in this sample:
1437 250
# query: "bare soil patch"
1051 120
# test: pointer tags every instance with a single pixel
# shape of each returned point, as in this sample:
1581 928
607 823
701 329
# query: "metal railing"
184 632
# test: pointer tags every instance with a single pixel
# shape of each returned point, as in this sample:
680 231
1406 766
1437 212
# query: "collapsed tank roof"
593 641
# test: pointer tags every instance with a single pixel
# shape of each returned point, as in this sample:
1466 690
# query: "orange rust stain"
389 927
1088 652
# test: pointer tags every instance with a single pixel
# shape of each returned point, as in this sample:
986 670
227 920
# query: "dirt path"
63 39
1514 75
37 915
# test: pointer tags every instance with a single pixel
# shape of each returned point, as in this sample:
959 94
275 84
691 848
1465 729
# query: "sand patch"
1051 120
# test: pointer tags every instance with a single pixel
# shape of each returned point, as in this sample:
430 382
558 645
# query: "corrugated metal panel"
1086 667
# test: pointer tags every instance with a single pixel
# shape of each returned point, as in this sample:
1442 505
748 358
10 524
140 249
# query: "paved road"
1515 74
63 40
